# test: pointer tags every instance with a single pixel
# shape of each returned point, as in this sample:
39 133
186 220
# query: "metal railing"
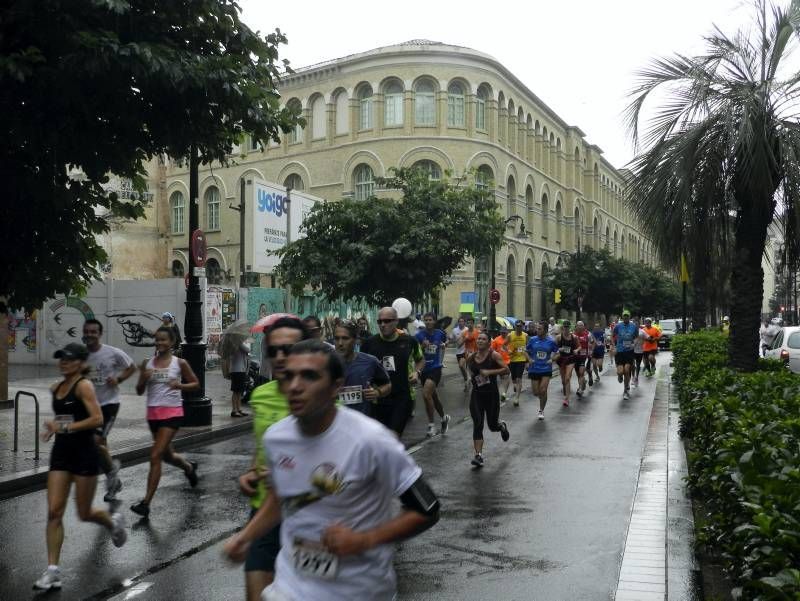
16 421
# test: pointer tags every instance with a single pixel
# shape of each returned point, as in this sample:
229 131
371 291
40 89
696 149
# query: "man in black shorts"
401 357
625 335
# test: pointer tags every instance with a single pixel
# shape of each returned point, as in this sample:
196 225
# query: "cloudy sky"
579 56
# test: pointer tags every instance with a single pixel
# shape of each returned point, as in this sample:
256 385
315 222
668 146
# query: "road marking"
134 591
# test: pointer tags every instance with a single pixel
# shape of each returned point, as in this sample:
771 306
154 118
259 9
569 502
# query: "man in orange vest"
650 346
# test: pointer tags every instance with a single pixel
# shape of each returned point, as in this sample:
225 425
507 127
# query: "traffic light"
557 295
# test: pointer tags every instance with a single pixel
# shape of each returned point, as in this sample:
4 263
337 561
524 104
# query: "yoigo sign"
269 210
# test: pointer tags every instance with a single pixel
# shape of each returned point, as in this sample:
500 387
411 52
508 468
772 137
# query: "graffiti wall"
22 336
220 310
256 303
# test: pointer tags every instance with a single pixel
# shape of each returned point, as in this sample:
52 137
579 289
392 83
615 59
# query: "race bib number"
481 380
160 375
350 395
432 349
566 350
64 419
97 379
541 355
312 559
627 344
388 363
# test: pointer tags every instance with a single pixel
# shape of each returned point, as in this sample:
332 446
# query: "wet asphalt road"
544 520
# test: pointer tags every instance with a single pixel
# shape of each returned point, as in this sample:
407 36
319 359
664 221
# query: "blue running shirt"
432 345
625 336
541 350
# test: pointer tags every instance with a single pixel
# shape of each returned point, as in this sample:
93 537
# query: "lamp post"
493 331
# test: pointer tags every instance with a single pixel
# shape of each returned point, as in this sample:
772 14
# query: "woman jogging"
583 352
484 404
74 458
164 377
599 352
567 346
540 351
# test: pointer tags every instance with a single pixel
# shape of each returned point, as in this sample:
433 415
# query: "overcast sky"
579 56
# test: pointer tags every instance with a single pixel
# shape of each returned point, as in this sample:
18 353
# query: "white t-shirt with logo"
456 337
350 474
105 362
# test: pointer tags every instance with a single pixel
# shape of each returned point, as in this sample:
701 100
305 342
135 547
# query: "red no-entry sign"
494 296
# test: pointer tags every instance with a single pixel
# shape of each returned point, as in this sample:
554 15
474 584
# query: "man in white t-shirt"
335 474
457 337
109 367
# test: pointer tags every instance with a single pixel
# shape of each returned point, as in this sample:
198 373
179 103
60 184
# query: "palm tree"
723 153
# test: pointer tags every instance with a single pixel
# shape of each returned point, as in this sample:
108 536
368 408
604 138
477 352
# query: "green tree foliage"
722 159
609 284
104 85
382 248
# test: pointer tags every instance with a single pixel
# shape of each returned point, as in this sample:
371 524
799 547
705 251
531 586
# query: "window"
528 289
364 182
342 113
213 272
481 285
432 169
480 109
365 108
319 120
483 177
455 105
393 104
294 182
177 269
425 104
212 208
296 135
254 145
176 205
545 216
511 276
511 193
794 340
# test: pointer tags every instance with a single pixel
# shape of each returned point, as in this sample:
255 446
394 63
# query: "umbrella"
504 322
233 336
240 327
265 322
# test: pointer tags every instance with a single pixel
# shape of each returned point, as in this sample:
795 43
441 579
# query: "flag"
684 269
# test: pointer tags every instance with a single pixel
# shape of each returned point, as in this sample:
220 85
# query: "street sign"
198 246
494 296
199 272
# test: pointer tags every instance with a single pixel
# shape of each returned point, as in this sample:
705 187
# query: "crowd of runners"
328 458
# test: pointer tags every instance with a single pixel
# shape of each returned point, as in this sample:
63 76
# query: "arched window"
432 169
294 182
484 177
213 272
608 239
481 284
545 216
529 209
177 208
319 118
511 276
480 109
559 218
296 135
455 105
177 269
425 103
393 104
528 289
365 108
577 230
511 192
212 208
364 182
596 234
342 113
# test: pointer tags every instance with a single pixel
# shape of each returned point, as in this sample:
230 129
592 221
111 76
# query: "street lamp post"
493 331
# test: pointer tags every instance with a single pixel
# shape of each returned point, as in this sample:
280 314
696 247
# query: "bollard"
16 422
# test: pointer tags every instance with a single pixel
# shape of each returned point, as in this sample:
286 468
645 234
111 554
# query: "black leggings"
488 404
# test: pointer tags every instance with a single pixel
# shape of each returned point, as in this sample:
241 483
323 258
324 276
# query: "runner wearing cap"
650 346
517 341
625 334
540 351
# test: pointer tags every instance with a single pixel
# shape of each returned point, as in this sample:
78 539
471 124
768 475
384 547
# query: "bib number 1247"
312 559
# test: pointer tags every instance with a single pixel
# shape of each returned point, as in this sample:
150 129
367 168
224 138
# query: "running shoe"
504 434
477 461
516 402
118 533
579 393
445 422
431 431
625 396
192 476
565 403
619 378
591 381
541 414
636 381
50 579
111 495
141 508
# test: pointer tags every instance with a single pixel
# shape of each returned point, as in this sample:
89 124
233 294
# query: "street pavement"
546 518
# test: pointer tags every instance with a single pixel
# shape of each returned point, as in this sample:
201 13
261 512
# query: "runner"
517 341
598 354
500 345
334 473
457 337
553 329
471 338
432 342
484 402
567 347
540 350
269 405
401 358
638 355
610 347
109 367
164 377
365 380
650 346
583 352
624 336
74 458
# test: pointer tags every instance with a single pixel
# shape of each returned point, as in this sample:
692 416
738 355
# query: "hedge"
743 451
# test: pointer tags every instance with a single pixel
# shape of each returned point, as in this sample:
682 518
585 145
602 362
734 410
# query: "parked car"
669 327
786 348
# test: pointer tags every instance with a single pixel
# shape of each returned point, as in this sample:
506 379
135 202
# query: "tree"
102 86
723 145
384 248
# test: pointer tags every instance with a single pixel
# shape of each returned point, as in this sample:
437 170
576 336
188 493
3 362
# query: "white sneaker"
541 415
431 431
50 579
118 533
625 396
445 423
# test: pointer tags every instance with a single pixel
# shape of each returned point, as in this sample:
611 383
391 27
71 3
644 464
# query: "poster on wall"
22 331
260 303
213 310
267 208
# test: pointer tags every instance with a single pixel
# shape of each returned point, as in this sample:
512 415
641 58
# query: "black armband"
420 498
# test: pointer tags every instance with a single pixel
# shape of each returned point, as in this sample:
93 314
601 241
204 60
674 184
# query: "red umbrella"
265 322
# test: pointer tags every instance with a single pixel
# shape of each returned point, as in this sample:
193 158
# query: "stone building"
447 109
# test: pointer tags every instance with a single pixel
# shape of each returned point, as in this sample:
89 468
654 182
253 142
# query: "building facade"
449 110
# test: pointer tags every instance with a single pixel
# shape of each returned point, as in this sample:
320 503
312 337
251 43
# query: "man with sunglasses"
401 357
269 405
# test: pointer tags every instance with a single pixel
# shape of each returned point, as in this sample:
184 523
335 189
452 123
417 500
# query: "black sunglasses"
272 351
382 321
